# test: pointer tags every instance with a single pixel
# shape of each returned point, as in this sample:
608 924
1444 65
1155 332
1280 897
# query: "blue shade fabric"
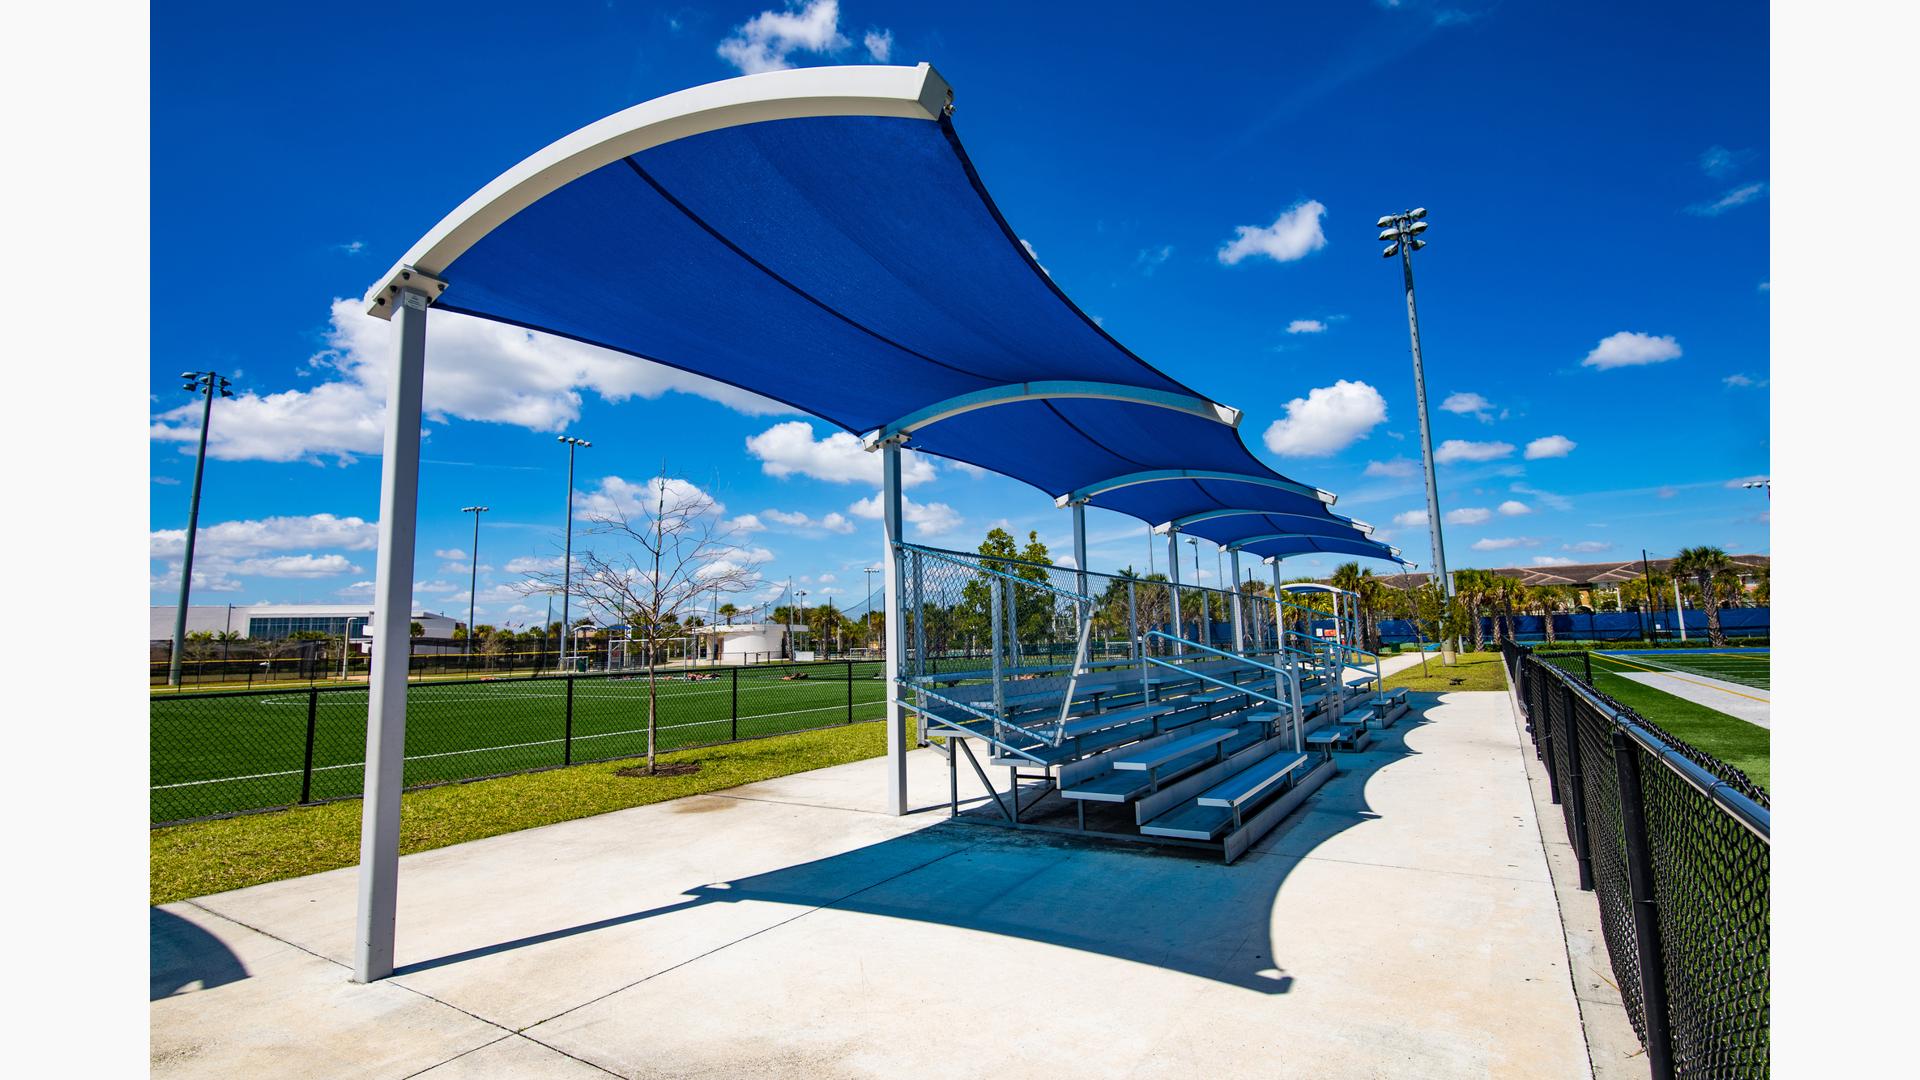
853 268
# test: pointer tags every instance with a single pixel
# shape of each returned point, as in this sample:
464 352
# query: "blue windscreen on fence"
1606 626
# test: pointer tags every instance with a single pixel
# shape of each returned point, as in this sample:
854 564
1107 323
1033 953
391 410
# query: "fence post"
306 769
567 738
1586 661
849 691
1547 757
1577 798
1646 913
733 707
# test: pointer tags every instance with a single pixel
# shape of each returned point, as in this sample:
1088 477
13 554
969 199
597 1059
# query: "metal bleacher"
1177 741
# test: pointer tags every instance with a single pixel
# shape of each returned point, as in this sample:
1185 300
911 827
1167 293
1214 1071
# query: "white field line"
508 746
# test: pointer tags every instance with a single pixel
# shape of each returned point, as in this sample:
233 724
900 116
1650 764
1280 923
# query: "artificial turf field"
226 752
1742 745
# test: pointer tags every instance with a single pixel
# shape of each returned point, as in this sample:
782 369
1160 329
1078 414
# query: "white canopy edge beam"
916 93
1236 545
1014 393
1154 476
1214 515
1274 560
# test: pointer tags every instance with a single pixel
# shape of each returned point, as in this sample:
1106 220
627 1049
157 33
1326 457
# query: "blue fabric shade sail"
853 267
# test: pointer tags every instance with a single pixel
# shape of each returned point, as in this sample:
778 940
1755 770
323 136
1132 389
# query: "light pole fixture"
473 577
1404 230
207 384
1763 485
566 571
868 636
800 601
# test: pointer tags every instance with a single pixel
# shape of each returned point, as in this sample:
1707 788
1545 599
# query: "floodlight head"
1392 250
189 374
1418 228
1388 234
224 392
1416 214
1418 244
1383 222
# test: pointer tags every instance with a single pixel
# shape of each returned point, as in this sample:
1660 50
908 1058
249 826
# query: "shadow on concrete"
181 954
1173 908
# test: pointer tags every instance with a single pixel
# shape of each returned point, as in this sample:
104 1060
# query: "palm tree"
727 612
1470 586
1550 600
1704 563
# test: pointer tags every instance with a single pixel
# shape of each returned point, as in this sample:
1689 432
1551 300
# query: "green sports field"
227 752
1745 746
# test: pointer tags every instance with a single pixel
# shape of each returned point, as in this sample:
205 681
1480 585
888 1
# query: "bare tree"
656 560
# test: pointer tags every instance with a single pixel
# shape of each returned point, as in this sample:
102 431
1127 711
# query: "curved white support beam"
1014 393
917 93
1154 476
1214 515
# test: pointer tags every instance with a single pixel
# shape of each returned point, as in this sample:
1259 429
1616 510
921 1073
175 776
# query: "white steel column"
1173 578
1080 547
896 643
1233 600
392 614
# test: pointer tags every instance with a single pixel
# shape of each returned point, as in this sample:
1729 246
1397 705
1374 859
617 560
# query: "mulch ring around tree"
677 768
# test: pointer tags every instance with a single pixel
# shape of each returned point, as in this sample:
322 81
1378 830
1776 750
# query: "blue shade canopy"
841 256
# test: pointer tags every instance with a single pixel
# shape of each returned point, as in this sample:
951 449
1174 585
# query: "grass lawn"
214 856
1477 671
221 753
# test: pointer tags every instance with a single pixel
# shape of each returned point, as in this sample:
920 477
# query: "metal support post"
1646 913
373 946
892 521
1576 780
1173 587
1233 602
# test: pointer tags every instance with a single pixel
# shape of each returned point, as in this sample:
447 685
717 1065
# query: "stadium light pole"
868 636
1403 230
800 601
473 576
208 384
566 571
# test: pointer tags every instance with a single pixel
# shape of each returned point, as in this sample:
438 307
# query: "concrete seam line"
748 937
490 1042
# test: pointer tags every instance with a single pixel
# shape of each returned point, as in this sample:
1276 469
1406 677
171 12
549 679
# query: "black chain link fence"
215 754
1675 844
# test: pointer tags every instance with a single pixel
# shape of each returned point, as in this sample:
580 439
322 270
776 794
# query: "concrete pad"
276 1010
1748 703
1403 925
514 1058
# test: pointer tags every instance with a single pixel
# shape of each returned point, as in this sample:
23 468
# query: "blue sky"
1594 301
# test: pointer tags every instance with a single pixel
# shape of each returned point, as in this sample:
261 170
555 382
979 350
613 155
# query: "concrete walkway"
1748 703
1403 923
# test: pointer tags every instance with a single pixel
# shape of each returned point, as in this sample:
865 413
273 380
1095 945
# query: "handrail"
1296 717
997 721
1754 817
1224 684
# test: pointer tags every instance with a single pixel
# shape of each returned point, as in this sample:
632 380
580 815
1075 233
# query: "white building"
268 622
749 643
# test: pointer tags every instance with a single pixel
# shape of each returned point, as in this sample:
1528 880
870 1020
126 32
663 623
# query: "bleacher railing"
1676 845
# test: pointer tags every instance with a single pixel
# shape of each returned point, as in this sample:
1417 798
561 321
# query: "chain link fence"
214 754
1675 845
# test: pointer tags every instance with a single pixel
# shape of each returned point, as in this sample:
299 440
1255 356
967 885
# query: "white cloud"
1397 467
622 498
1553 501
478 370
1463 450
534 564
928 519
238 539
1740 380
1720 162
1327 420
1306 326
431 588
1410 518
1514 508
296 566
747 523
450 554
1468 515
1462 403
879 45
1630 349
795 521
1550 446
764 42
1035 256
1586 546
1295 234
969 468
1552 560
1151 259
1739 196
790 448
1500 543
